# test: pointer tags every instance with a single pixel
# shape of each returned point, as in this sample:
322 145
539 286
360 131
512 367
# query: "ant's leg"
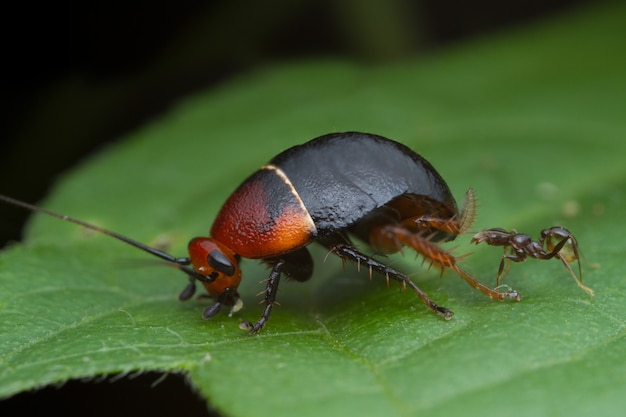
546 240
501 270
505 263
437 256
350 253
270 299
578 281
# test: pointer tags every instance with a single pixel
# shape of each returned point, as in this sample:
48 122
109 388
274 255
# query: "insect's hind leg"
348 252
397 235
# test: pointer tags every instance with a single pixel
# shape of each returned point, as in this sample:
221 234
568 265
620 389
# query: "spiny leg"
270 299
440 258
434 216
297 265
348 252
455 225
485 289
468 212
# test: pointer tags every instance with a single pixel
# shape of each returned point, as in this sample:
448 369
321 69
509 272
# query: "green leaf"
532 120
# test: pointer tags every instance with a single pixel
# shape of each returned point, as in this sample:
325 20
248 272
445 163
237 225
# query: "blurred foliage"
79 77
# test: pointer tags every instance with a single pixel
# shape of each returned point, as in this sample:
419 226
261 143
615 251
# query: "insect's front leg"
270 299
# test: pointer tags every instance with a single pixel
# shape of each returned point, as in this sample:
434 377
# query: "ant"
555 242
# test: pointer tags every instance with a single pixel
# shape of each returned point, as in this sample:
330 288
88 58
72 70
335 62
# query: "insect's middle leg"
348 252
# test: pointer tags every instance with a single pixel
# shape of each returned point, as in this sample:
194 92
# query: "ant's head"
559 239
219 263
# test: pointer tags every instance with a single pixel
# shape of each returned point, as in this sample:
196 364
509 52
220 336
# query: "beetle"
329 190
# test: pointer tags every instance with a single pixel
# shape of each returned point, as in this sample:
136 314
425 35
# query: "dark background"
78 76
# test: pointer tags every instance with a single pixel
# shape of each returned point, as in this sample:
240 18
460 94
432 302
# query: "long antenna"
181 262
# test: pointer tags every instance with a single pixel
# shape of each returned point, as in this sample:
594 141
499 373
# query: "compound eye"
220 262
